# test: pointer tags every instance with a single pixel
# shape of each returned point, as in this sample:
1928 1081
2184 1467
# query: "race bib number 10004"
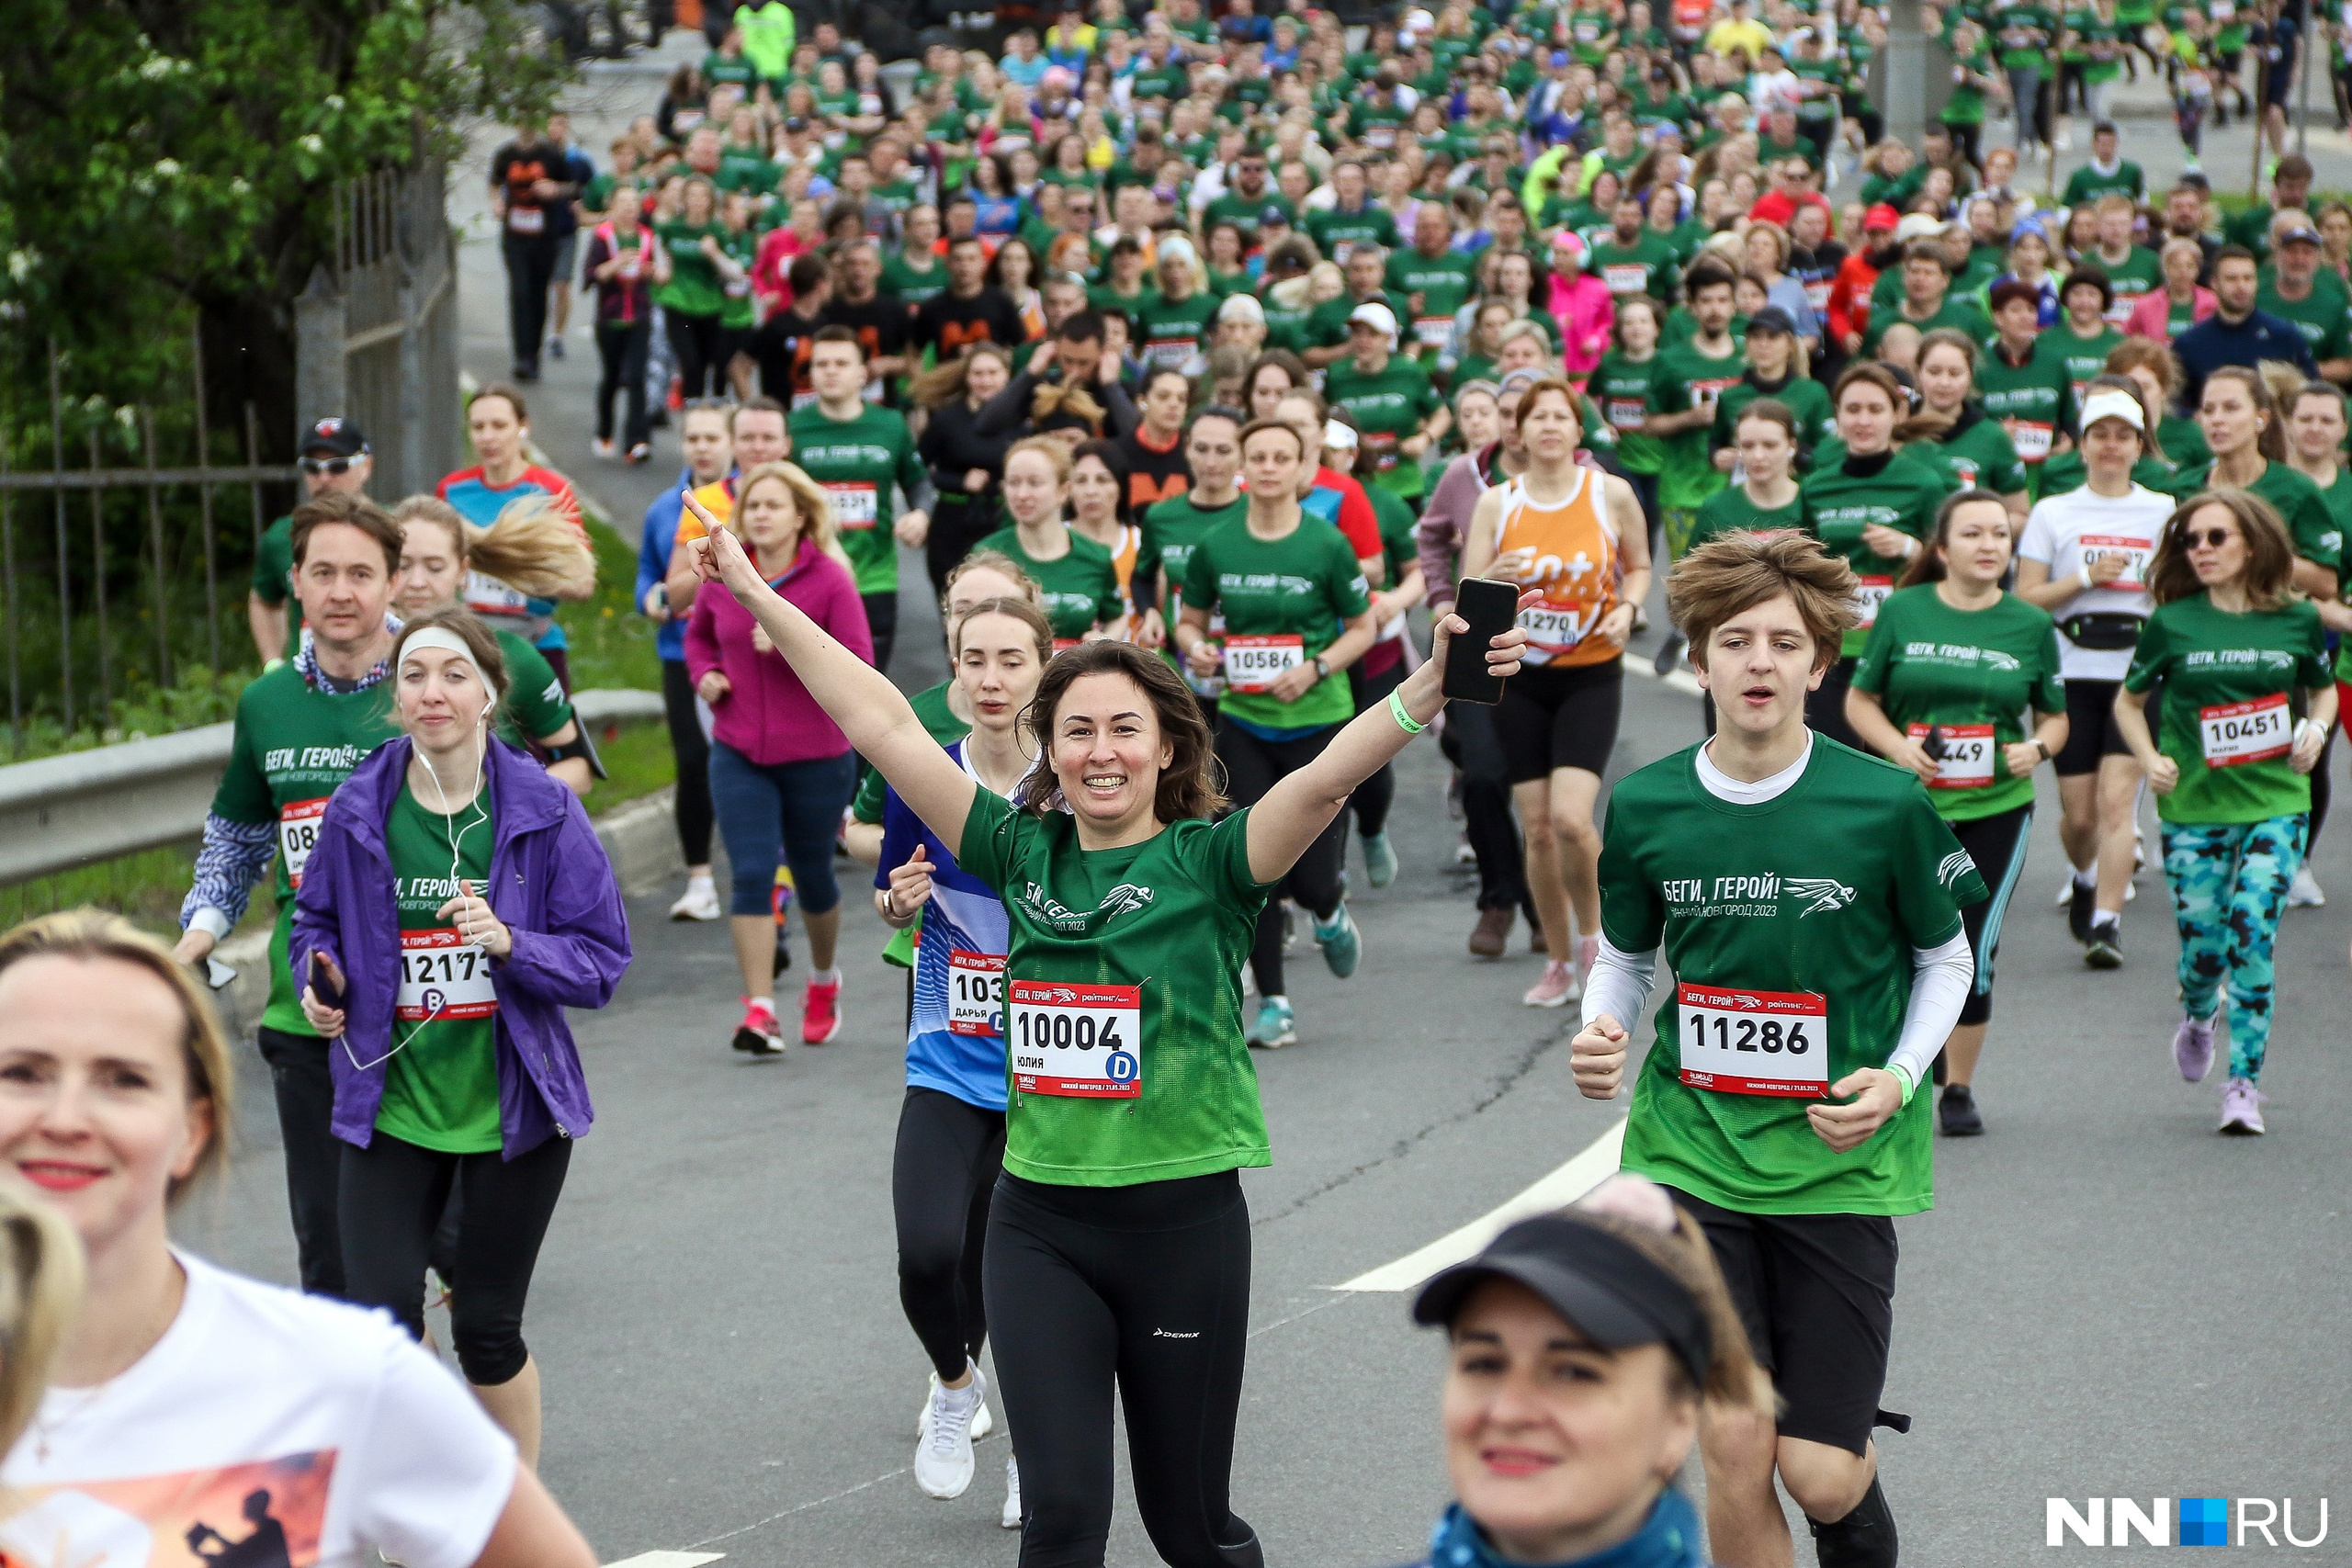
1085 1041
1739 1042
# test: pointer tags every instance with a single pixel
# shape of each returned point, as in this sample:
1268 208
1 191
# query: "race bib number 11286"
1739 1042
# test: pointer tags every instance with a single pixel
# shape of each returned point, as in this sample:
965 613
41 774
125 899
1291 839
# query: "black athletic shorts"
2091 732
1559 718
1816 1295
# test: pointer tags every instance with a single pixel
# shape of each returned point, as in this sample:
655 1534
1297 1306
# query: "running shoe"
555 346
758 1034
604 447
2193 1048
1957 1111
640 454
1669 653
2305 893
944 1453
1342 944
2105 949
2080 908
820 1013
698 902
1011 1518
1276 1026
2065 891
982 1424
1380 859
1556 989
2242 1109
1463 853
1490 937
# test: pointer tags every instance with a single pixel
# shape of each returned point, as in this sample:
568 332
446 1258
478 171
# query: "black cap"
1771 319
1613 1294
336 438
1272 213
794 123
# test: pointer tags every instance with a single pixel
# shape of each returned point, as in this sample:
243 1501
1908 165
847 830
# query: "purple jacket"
550 881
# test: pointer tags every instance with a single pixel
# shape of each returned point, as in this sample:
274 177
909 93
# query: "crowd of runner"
1192 355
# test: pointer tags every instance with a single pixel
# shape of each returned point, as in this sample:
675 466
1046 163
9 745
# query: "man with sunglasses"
1246 197
334 456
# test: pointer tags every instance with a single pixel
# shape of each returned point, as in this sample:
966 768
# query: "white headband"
1337 436
443 638
2110 402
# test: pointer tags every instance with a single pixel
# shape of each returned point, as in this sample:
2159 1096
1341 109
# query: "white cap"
1916 225
1242 308
1338 437
1175 247
1372 313
2109 402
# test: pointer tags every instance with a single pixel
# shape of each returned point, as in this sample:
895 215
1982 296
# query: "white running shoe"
699 902
2305 893
943 1453
1557 988
2066 891
1011 1518
982 1424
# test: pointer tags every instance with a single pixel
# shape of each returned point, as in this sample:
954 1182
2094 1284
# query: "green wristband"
1396 711
1909 1088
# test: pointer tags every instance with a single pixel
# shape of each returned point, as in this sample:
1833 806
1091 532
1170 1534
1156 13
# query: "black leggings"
1143 1291
391 1198
695 340
882 624
948 1157
1377 794
1997 845
621 346
691 748
1471 744
1824 707
956 527
1253 766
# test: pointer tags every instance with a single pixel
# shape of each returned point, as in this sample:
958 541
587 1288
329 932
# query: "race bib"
1084 1042
1254 663
1967 762
443 976
1625 277
1432 332
1173 353
487 597
975 992
2137 551
1381 136
2239 733
855 505
526 219
1556 627
1737 1041
631 265
1626 414
1870 593
1816 294
2032 440
298 834
1382 443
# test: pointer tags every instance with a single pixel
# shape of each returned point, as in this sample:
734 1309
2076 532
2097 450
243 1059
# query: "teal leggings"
2229 884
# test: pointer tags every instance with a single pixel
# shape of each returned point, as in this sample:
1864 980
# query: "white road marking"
668 1560
1580 1176
1680 678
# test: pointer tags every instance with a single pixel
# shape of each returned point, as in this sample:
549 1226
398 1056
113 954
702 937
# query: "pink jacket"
769 715
1587 314
2149 317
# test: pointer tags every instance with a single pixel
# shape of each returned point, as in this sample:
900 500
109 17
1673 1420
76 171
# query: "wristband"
1903 1077
2311 724
1405 720
2085 573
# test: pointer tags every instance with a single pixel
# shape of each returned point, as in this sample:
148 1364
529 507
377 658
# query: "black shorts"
1816 1295
2091 732
1559 718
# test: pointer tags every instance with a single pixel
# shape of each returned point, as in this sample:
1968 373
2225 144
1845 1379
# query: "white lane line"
1571 1181
668 1560
1680 678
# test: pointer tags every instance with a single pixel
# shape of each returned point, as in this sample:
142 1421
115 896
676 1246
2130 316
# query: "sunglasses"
2206 538
335 466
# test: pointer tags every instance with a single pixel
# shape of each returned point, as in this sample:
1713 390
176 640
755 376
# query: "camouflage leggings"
2229 884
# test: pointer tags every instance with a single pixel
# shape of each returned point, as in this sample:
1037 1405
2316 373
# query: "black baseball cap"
1769 320
1597 1280
336 436
1272 213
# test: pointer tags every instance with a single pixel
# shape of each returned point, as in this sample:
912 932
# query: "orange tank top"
1568 551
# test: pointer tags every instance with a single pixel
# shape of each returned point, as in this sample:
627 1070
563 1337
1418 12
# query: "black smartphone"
322 983
1490 607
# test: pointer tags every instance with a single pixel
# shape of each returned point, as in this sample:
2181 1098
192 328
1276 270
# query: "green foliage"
638 757
197 698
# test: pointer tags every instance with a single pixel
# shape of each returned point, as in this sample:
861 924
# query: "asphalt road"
2108 1300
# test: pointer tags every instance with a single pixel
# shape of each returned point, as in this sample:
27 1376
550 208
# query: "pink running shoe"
1557 988
2242 1109
758 1035
820 1013
2192 1047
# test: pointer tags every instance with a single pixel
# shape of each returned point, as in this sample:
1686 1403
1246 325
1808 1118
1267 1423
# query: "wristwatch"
2042 746
1322 667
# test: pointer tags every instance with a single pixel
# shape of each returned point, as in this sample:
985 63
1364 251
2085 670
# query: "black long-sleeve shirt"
951 447
1007 413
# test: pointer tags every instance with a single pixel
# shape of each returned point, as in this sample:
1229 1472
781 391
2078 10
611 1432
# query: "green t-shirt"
2228 682
2139 274
1729 511
1078 590
1825 890
2024 34
1808 400
2086 185
1286 324
694 288
916 287
1648 266
2085 358
1956 311
2036 395
2182 441
1624 388
746 169
856 461
1981 456
1689 475
1303 585
1389 407
2295 499
535 705
939 721
292 745
1133 917
1172 529
737 312
1903 496
1445 284
274 578
441 1086
2319 316
1173 332
1235 207
1335 232
1931 664
1327 325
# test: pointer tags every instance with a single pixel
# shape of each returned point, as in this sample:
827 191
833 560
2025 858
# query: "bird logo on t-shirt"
1824 894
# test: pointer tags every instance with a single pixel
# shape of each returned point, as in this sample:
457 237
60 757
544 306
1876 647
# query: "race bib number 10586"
1739 1042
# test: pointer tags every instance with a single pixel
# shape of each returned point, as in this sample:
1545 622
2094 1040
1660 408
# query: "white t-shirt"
261 1414
2067 532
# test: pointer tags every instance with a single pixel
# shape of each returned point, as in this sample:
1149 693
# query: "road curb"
641 838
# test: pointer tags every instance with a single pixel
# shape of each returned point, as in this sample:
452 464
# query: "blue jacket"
550 881
1669 1538
660 536
2213 343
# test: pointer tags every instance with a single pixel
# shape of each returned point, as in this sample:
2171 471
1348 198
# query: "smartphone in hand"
324 984
1491 608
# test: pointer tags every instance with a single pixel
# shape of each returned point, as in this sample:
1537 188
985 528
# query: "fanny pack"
2104 631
